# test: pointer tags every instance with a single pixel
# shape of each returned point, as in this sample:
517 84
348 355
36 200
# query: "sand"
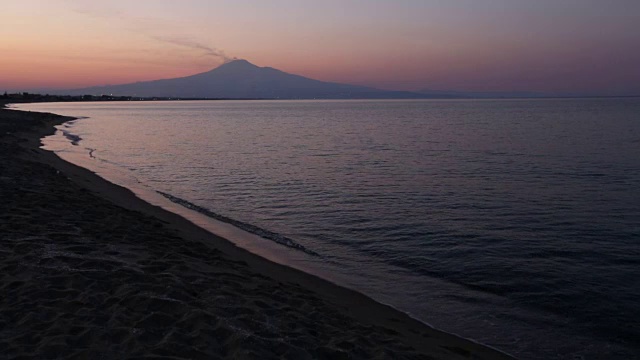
89 271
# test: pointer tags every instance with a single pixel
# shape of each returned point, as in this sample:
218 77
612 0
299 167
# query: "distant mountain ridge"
240 79
455 94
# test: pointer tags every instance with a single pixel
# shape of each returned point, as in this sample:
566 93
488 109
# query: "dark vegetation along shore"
88 271
25 97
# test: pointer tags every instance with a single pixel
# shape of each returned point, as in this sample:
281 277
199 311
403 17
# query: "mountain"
240 79
453 94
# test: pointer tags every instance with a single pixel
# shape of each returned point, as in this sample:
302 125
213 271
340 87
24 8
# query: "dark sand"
89 271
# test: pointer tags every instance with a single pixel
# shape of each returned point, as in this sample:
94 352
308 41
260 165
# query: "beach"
91 271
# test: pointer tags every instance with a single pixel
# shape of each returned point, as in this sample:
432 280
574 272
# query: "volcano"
240 79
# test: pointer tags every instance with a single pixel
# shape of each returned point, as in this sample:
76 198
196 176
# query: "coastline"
232 302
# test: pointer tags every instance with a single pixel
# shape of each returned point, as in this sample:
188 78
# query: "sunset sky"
554 46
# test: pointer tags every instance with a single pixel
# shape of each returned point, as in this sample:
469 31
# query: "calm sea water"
514 223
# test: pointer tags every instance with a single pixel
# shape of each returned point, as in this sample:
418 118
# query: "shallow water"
512 222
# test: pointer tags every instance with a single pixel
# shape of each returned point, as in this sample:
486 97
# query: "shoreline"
397 334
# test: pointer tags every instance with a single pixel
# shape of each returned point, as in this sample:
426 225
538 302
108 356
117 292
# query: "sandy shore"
88 270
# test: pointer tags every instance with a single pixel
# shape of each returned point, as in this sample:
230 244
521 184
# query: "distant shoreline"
35 98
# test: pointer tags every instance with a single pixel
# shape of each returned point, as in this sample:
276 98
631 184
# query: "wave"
75 139
266 234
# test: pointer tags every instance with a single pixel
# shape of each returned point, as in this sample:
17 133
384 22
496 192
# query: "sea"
513 223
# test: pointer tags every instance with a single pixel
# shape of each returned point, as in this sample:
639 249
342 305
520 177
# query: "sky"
551 46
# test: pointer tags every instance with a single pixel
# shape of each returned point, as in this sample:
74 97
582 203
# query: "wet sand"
88 270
